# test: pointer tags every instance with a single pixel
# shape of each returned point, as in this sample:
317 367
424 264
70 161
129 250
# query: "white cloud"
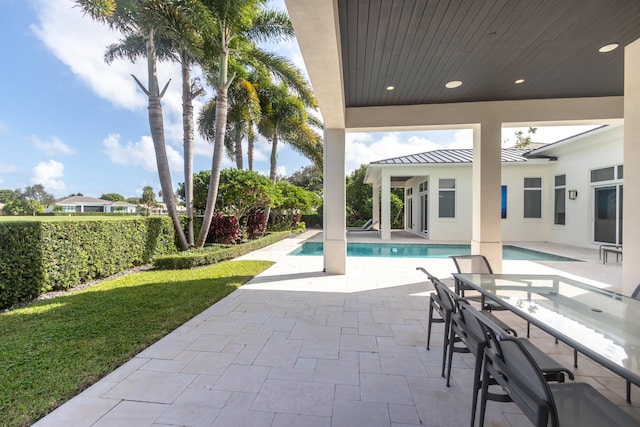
139 154
463 138
52 147
80 43
281 171
364 148
48 174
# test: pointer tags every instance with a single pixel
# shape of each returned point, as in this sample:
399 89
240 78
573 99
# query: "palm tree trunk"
156 126
187 128
238 147
216 166
251 138
273 169
274 157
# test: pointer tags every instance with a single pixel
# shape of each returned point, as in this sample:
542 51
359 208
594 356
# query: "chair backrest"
372 226
469 322
515 370
472 264
445 296
636 292
366 224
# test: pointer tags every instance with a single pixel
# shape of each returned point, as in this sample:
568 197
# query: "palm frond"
270 25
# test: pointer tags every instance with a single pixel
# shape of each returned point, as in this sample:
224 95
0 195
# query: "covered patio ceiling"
359 48
417 46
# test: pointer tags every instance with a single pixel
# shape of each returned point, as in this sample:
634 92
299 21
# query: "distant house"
569 191
90 204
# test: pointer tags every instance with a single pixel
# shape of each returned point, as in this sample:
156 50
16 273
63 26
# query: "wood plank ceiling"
419 45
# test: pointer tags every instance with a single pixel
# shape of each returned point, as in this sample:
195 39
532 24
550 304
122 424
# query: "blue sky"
74 124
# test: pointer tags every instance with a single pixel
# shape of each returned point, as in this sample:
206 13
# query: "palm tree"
180 42
285 118
244 110
144 18
239 24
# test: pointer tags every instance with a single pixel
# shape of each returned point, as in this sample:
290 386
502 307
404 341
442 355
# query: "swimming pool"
424 251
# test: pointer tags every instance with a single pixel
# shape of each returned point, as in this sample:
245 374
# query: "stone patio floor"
298 347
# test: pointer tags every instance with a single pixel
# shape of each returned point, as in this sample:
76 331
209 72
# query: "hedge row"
212 255
42 256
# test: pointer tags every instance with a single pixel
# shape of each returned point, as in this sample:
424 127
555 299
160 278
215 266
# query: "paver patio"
297 347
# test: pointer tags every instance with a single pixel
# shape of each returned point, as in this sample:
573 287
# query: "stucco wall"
576 159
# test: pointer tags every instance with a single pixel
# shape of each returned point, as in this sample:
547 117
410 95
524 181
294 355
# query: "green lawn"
53 349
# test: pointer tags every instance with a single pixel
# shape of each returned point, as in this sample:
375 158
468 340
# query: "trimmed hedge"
208 255
42 256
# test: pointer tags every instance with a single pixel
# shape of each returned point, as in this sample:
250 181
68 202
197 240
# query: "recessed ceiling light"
453 84
519 81
391 87
608 47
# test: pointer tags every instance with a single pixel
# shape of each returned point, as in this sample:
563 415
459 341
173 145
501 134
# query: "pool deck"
298 347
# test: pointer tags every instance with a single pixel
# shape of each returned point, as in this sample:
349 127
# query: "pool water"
424 251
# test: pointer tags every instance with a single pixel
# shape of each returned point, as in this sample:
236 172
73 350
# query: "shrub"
256 224
224 229
212 255
312 220
39 256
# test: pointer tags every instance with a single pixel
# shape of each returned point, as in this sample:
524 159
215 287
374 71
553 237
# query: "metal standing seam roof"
464 155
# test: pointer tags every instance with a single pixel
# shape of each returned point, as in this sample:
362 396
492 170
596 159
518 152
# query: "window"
604 174
447 198
559 197
533 197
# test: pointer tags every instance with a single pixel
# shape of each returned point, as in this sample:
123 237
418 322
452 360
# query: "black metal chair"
442 302
469 327
477 264
508 362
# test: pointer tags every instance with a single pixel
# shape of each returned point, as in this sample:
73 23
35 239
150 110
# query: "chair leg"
575 358
528 330
628 392
477 371
450 354
429 323
445 343
483 396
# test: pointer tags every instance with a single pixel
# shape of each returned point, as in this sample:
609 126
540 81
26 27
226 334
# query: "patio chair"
477 264
470 326
443 303
362 227
508 362
370 227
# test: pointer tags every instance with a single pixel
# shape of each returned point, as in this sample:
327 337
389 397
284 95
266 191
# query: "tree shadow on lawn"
53 349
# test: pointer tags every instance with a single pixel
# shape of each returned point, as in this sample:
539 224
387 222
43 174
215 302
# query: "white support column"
385 223
335 222
631 205
486 230
375 209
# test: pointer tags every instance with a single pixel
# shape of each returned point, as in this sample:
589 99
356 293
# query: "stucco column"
486 227
631 205
385 194
335 223
375 209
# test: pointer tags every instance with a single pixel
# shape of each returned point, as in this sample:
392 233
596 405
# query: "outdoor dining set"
602 325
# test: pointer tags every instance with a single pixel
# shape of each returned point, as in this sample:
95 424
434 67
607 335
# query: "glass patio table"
602 325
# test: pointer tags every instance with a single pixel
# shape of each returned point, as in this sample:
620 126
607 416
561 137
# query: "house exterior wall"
575 159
